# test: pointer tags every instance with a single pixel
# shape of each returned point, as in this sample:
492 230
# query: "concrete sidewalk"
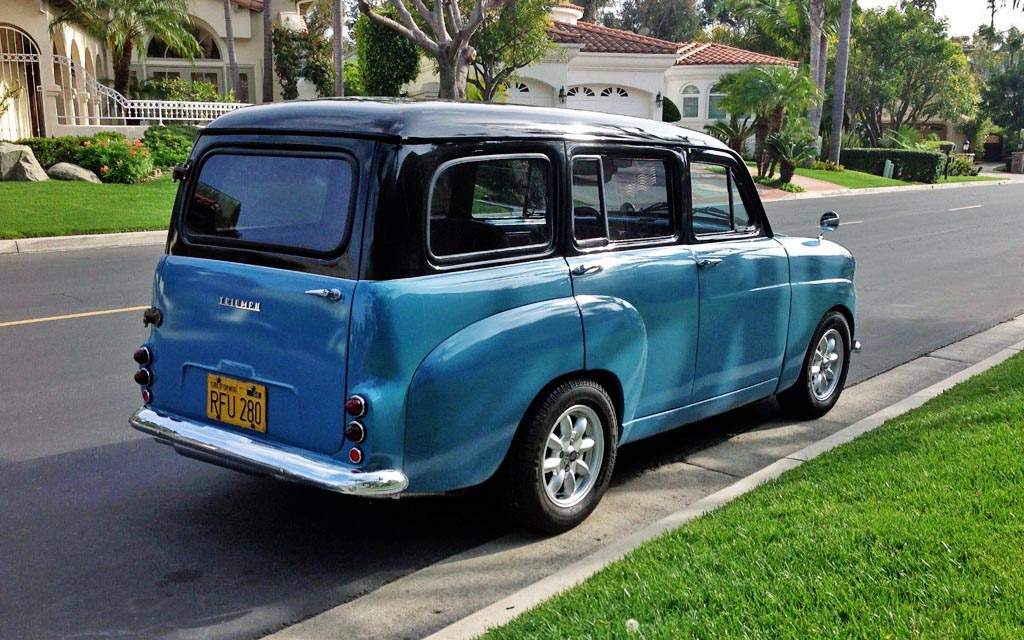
655 479
91 241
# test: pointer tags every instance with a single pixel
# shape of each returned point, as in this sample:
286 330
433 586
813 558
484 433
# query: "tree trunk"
839 92
786 171
816 13
760 139
453 70
236 81
123 70
268 54
339 46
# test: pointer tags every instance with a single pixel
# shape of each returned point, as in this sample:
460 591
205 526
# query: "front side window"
293 203
490 205
620 198
717 205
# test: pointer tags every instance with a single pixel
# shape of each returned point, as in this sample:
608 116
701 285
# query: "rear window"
293 203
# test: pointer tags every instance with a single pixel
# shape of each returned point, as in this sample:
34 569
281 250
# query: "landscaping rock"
19 164
68 171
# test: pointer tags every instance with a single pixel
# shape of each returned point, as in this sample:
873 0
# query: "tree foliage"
441 28
672 20
770 93
125 26
386 59
303 54
510 39
904 70
1003 99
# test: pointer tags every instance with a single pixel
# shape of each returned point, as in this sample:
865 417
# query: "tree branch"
413 33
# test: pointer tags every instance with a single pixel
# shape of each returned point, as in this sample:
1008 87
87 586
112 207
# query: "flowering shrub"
170 146
116 160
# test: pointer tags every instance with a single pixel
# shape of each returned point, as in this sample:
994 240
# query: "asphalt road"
105 533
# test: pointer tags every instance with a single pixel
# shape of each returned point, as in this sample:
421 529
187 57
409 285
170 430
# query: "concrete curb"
90 241
836 193
508 608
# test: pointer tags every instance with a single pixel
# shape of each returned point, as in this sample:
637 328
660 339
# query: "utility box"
888 169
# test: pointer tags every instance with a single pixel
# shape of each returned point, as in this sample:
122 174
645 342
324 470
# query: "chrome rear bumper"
245 454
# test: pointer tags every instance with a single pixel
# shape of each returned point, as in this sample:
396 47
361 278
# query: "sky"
965 16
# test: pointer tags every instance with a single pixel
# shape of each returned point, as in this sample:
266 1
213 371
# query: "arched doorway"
20 81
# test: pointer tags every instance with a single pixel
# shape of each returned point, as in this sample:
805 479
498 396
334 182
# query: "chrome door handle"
331 294
583 270
708 262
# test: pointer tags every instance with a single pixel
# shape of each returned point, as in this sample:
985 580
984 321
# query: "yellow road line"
87 314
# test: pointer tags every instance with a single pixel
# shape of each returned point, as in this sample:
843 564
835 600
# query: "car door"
744 282
626 243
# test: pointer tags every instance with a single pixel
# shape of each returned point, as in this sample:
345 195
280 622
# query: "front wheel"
562 462
824 370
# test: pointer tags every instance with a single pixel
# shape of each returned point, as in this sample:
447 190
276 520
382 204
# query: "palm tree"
793 146
338 15
268 54
769 92
819 57
839 90
125 25
236 80
733 133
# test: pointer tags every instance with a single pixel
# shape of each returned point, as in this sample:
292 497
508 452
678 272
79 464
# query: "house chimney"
566 13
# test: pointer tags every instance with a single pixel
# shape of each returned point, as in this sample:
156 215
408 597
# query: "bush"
962 165
669 111
50 151
912 166
827 165
170 146
115 160
197 91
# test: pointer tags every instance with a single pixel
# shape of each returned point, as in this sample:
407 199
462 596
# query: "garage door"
608 99
528 92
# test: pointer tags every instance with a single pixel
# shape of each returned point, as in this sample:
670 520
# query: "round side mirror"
829 222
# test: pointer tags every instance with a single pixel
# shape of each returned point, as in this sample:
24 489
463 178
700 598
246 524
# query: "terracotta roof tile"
598 39
571 6
713 53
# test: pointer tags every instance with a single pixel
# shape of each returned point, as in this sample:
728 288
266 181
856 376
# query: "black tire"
803 400
523 483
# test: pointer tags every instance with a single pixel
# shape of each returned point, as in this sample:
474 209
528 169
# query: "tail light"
356 406
355 455
147 396
355 432
144 377
143 355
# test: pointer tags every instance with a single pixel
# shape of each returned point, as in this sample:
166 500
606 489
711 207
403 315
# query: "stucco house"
64 73
598 68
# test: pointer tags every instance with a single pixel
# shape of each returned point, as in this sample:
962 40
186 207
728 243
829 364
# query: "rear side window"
717 205
291 203
490 205
620 198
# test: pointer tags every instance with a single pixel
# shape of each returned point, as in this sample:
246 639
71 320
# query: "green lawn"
56 208
968 179
850 179
915 530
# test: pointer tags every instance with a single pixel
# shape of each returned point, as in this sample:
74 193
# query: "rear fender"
468 396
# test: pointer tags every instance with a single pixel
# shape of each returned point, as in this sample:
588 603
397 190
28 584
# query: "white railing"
86 101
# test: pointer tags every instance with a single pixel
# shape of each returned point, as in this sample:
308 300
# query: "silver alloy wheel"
572 456
827 365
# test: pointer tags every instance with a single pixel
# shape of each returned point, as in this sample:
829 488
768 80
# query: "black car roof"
432 120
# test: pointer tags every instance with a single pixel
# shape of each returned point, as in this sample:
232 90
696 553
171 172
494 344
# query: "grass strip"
57 208
914 530
850 179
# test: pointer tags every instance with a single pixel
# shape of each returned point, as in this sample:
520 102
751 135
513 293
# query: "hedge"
50 151
911 166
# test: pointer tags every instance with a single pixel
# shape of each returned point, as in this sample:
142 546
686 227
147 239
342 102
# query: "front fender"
469 395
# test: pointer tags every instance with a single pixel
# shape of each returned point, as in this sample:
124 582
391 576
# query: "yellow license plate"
236 402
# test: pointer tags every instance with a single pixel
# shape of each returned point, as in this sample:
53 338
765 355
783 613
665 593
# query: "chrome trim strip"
238 451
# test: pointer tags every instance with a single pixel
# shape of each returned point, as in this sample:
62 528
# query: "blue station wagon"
397 298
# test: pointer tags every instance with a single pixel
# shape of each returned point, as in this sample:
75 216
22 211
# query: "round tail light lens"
147 396
143 355
143 377
355 432
355 455
356 406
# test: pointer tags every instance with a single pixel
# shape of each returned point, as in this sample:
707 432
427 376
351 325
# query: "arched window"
522 87
617 92
208 49
715 110
581 91
690 106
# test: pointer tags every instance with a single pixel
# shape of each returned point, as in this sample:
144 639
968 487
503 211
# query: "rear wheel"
561 464
823 376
